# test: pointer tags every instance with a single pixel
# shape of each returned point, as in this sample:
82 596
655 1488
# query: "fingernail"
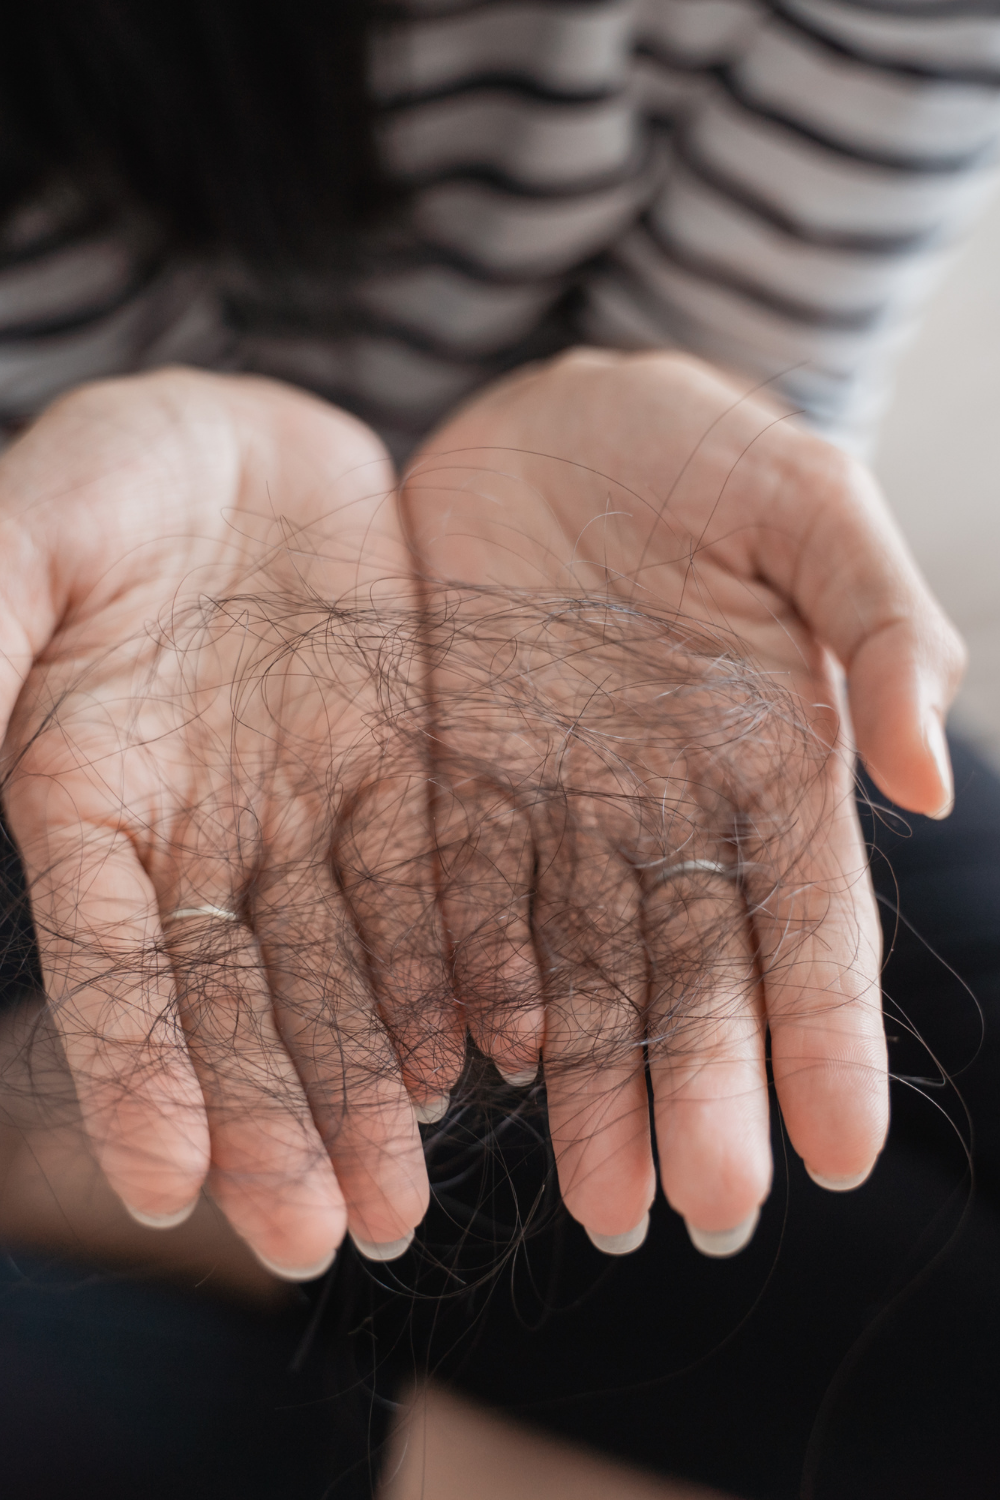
937 743
432 1110
621 1244
840 1184
162 1221
722 1242
297 1273
519 1080
390 1250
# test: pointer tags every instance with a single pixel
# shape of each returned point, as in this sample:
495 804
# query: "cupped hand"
654 483
175 553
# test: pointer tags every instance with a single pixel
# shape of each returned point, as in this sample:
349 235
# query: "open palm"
654 484
173 547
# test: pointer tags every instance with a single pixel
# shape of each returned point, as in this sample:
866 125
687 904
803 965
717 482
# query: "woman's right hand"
168 749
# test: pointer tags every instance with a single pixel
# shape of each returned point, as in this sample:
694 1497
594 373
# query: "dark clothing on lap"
120 1389
850 1350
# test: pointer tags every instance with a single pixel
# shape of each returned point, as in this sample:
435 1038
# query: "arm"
824 160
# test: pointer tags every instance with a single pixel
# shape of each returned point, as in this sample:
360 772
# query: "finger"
110 987
900 701
270 1172
819 945
705 1043
328 1017
595 978
486 862
853 579
385 869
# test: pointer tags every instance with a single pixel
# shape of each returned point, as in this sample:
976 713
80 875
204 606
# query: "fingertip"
385 1250
155 1160
917 783
843 1184
281 1195
519 1079
161 1221
832 1128
719 1244
298 1273
899 706
620 1244
936 743
432 1111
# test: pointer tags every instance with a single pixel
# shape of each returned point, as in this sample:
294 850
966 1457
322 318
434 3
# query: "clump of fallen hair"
472 801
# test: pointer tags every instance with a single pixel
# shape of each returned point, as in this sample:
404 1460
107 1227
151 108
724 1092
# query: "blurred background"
939 459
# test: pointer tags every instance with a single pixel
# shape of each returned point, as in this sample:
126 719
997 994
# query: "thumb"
859 588
902 680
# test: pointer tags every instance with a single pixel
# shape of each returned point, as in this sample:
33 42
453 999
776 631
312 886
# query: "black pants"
851 1350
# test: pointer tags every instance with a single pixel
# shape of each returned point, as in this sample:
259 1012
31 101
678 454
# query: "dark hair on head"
243 124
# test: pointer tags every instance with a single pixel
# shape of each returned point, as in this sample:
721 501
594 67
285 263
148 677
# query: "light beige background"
939 459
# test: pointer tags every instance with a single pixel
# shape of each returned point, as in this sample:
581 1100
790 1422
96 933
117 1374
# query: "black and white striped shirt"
774 184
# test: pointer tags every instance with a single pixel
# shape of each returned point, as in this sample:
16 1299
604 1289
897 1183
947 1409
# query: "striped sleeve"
512 128
84 295
772 184
825 157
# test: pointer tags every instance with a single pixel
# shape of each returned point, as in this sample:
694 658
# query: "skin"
131 500
656 479
128 502
445 1448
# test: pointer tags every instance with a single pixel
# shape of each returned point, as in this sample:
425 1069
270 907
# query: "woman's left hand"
654 481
